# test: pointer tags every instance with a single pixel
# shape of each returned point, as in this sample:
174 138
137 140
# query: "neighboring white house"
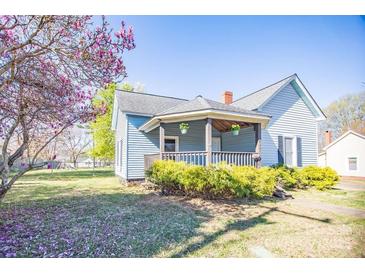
346 155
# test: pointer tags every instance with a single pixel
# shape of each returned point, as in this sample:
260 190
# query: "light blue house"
278 124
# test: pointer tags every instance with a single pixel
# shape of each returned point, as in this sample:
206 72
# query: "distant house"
278 124
346 154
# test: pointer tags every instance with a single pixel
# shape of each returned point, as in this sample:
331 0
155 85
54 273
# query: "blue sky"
185 56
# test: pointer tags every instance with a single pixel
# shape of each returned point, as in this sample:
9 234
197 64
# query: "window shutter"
280 150
299 152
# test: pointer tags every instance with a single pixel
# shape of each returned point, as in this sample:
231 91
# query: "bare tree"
76 143
348 112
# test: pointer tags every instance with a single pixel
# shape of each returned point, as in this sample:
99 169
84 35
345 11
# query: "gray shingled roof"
145 103
254 100
201 103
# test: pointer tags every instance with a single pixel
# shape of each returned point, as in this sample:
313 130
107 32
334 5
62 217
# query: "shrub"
220 181
318 177
253 182
215 181
287 177
226 181
167 175
194 180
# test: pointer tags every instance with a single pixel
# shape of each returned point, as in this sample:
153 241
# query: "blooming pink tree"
50 68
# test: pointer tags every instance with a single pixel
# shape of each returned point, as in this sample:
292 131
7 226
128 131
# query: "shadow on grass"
323 220
109 225
67 175
238 225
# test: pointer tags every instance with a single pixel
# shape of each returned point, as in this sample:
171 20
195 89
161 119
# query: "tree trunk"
3 188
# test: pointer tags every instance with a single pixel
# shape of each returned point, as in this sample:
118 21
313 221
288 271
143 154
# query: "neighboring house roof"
201 103
258 99
342 137
145 103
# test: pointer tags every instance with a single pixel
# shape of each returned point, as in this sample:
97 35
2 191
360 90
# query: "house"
278 124
346 154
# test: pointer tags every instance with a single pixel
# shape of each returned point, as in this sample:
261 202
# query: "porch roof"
201 103
202 108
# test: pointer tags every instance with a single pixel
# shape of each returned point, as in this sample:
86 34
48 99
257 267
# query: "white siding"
322 160
290 117
337 155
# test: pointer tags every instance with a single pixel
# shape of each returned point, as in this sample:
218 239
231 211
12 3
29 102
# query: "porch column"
162 139
257 128
208 140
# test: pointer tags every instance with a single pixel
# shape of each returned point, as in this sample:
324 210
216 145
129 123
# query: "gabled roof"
255 99
342 137
258 99
145 103
200 103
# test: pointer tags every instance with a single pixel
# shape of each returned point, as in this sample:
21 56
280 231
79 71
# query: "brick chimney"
327 137
227 97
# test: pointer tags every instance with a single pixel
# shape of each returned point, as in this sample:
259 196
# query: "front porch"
209 141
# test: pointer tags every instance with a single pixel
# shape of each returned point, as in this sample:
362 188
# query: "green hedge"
310 176
320 178
226 181
287 177
214 181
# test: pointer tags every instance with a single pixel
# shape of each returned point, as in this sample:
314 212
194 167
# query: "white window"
352 163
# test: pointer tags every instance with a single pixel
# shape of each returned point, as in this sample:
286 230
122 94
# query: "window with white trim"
288 151
171 143
352 163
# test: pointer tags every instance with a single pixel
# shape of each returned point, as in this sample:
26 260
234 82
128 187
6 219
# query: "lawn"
81 214
355 199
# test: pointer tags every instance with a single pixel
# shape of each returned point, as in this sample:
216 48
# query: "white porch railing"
191 157
235 158
200 157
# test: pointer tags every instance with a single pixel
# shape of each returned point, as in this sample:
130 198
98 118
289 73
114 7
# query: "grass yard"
76 214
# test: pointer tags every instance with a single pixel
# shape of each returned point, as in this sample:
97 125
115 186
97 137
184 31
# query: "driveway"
346 185
351 185
342 210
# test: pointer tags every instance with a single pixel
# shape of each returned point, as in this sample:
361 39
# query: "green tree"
103 136
126 87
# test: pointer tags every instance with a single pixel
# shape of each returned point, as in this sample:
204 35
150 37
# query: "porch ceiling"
225 125
227 117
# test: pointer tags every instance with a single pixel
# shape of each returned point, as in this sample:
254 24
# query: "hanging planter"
184 128
235 129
